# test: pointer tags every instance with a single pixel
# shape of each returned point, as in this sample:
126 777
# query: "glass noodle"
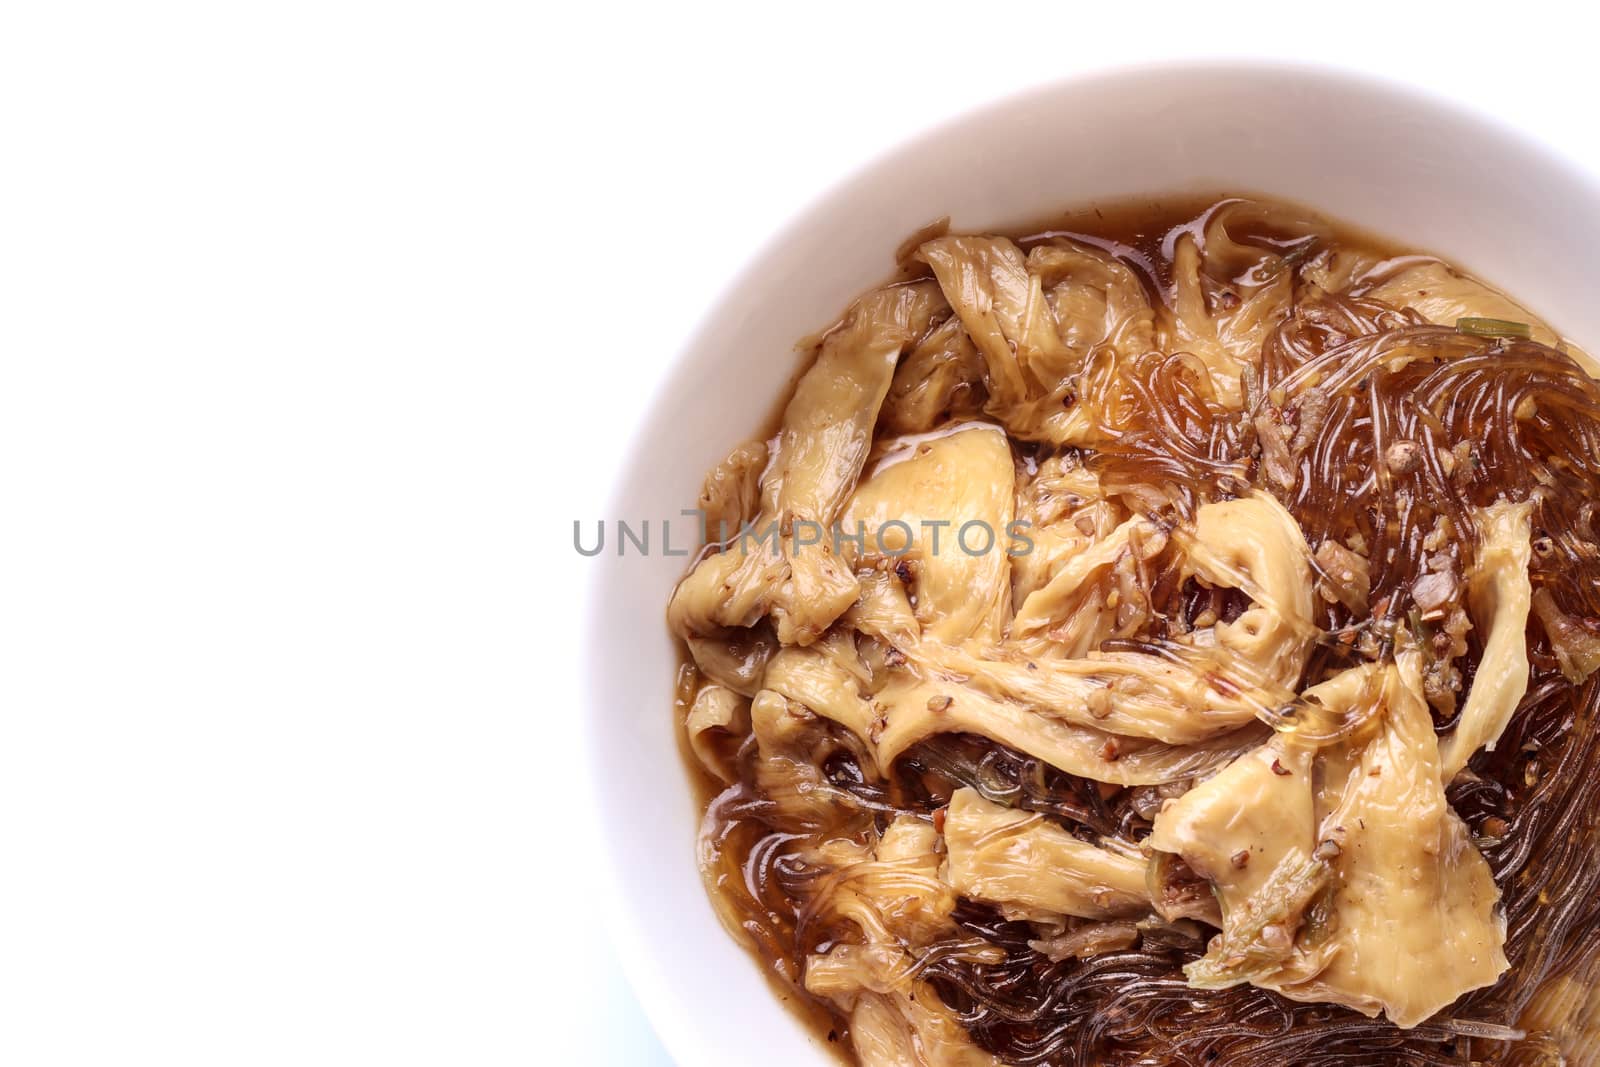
1373 427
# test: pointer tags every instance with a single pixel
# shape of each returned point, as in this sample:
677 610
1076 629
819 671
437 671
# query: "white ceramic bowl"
1398 163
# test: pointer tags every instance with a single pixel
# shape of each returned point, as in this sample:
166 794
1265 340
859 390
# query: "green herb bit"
1293 258
1477 327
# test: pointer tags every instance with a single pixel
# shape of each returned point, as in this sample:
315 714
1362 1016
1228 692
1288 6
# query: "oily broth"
761 885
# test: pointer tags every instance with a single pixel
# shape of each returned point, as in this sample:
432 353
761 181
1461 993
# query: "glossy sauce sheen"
1141 234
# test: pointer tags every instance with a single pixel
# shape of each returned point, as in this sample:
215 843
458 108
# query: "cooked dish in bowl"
1164 637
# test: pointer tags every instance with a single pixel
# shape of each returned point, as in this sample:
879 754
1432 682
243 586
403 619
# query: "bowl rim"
676 1031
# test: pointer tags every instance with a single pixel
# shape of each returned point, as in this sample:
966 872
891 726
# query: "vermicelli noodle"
1310 542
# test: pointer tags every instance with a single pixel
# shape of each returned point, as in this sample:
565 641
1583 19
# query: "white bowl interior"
1397 163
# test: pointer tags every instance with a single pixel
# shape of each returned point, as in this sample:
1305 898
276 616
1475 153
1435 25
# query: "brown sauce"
762 891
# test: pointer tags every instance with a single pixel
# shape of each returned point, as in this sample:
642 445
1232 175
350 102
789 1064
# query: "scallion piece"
1493 328
1292 258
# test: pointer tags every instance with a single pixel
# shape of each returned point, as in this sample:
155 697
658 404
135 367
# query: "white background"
320 323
